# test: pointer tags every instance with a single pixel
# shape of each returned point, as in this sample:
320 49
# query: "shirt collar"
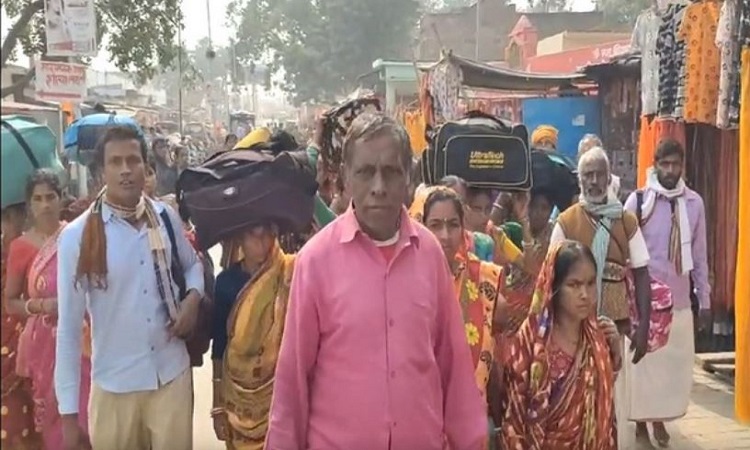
351 226
108 214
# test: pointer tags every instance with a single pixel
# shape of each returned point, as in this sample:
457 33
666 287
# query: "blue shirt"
132 348
229 283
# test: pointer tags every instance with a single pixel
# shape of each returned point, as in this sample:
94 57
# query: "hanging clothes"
445 85
742 284
414 122
671 50
727 40
652 131
745 24
703 61
645 35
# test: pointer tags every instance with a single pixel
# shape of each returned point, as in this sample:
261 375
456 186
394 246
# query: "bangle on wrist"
27 308
217 411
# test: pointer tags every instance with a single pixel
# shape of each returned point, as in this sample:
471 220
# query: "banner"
70 27
60 82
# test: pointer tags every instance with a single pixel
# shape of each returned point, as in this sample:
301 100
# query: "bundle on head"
280 141
336 124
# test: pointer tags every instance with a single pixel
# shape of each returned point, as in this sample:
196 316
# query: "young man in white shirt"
115 263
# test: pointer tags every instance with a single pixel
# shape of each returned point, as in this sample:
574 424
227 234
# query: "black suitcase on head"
485 151
237 189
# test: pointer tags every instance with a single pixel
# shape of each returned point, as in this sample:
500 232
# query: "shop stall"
693 68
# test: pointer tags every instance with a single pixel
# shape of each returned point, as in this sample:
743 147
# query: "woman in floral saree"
480 288
36 251
561 372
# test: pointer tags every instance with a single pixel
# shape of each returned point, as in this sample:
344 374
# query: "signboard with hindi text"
70 27
60 82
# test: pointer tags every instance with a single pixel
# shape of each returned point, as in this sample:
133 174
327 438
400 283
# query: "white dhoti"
625 430
661 381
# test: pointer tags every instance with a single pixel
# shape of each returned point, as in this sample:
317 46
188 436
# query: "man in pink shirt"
374 354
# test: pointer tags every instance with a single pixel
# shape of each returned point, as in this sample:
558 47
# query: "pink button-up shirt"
374 354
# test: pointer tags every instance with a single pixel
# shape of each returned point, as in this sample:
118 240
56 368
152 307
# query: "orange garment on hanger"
703 61
415 125
742 277
651 133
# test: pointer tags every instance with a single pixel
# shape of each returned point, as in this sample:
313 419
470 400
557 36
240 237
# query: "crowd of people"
415 317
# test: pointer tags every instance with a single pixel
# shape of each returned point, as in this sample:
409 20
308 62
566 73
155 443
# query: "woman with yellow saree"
251 303
561 371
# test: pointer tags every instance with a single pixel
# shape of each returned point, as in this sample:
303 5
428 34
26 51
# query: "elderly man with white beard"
599 221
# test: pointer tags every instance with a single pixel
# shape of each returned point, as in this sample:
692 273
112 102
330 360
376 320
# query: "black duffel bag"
554 176
239 188
485 151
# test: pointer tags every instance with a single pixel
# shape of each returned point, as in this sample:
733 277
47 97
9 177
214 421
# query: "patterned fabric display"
671 51
727 40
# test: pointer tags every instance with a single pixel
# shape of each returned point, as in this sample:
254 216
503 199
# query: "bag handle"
23 143
476 114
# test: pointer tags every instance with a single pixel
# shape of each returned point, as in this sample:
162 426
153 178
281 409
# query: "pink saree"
36 352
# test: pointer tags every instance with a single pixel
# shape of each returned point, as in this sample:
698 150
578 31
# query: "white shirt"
614 186
637 248
132 348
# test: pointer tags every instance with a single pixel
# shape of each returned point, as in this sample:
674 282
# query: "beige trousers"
145 420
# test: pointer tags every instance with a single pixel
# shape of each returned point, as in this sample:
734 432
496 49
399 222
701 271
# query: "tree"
322 46
140 35
548 5
622 11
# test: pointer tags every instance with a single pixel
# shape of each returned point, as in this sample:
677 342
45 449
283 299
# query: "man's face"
594 178
669 170
124 171
378 183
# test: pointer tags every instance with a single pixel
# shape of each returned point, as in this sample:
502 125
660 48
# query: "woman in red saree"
33 259
17 407
560 373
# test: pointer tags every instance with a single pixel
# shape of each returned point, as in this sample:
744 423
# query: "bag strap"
178 275
639 206
22 142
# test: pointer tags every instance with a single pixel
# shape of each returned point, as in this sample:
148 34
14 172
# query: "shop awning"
478 75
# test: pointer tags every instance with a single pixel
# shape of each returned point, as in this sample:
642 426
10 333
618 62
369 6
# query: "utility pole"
179 62
476 31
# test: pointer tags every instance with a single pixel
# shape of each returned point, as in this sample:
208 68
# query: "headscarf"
544 134
416 210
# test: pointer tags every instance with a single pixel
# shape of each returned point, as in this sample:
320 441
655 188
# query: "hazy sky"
195 12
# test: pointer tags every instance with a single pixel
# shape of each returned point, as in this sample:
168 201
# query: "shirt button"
393 374
391 322
145 291
148 320
152 348
142 263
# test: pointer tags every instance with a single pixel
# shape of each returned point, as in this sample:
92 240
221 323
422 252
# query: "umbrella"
82 135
